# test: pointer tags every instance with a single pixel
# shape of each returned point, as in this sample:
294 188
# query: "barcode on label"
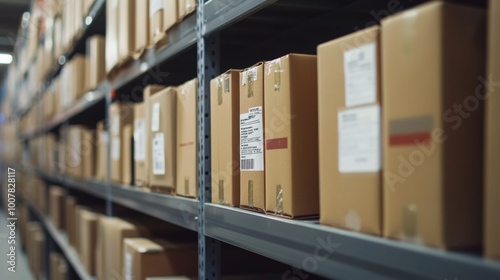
247 164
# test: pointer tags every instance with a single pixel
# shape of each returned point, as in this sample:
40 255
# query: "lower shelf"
61 240
339 254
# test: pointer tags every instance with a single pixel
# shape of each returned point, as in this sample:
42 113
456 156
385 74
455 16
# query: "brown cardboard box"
56 196
74 151
432 154
111 35
161 139
88 151
96 54
141 171
350 132
126 28
55 260
78 18
78 69
88 239
70 220
186 139
291 133
121 115
185 8
87 4
148 258
32 229
127 160
225 142
101 152
62 270
252 177
39 254
141 25
111 233
492 135
163 14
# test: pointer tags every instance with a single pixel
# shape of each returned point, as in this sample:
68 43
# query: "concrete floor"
22 270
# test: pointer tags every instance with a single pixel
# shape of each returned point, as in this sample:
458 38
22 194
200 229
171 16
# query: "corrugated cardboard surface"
102 152
252 183
112 35
141 171
56 197
73 159
126 28
347 200
141 24
127 160
225 131
88 239
88 153
123 115
96 53
492 149
149 258
78 75
111 232
291 131
167 106
432 155
162 20
186 7
186 139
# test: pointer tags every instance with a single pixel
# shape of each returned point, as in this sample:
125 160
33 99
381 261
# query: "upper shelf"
340 254
87 103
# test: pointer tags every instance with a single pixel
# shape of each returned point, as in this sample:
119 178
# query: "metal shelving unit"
62 242
208 38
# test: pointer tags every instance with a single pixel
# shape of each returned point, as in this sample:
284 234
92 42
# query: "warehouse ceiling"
11 12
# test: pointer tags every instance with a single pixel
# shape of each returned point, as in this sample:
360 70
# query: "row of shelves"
62 242
325 251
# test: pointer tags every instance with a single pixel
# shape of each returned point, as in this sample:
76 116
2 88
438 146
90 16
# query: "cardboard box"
186 7
74 151
56 213
70 220
141 171
78 18
78 77
432 139
126 28
127 161
88 151
141 25
111 35
291 133
163 14
88 239
55 260
350 132
252 177
225 141
87 4
39 254
111 233
96 54
186 177
148 258
121 115
101 152
492 137
162 139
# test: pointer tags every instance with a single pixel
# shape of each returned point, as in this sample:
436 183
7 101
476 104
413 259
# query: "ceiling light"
5 58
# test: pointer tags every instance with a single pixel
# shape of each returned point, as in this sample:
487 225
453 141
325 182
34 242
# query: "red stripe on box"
409 138
277 143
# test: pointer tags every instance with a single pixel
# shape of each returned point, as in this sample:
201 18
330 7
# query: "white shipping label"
158 154
360 72
251 140
155 117
128 266
115 148
359 140
115 125
139 140
155 6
